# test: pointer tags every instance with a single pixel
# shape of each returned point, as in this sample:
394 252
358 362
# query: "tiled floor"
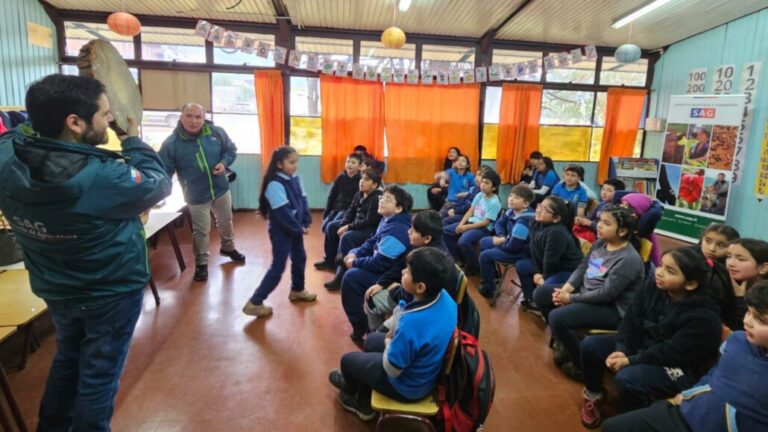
198 364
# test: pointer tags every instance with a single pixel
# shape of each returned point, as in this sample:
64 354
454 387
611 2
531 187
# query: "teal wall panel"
21 63
738 42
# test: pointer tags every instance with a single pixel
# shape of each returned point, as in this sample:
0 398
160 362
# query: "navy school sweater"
382 250
289 210
516 229
553 249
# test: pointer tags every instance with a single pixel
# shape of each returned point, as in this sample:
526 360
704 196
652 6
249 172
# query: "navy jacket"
342 192
515 229
289 210
462 206
553 249
75 212
193 158
382 250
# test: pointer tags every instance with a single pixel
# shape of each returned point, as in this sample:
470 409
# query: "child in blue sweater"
585 227
511 240
284 202
571 190
732 397
365 264
405 363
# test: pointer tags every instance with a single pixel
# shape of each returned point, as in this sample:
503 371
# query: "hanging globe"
627 53
393 37
124 24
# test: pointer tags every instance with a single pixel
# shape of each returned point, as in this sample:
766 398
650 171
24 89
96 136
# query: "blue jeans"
331 240
92 343
462 246
353 287
526 270
489 256
333 215
283 245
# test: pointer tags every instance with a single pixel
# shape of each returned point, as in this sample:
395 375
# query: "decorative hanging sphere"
124 24
393 37
627 53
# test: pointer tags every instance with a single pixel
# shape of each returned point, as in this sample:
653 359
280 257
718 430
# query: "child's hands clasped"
617 361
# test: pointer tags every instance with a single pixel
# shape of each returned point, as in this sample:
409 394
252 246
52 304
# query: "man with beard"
74 209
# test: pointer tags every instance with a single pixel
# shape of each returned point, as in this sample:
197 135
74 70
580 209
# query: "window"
233 99
156 126
172 44
597 141
305 96
445 57
77 34
337 50
500 56
68 69
234 56
375 54
615 73
565 143
306 124
307 135
491 121
564 107
582 72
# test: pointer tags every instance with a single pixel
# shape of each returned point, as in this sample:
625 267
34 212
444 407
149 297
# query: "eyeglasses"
541 207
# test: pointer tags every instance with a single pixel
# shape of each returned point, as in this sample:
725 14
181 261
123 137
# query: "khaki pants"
201 226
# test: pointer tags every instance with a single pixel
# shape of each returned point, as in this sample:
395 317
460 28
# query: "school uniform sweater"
515 229
382 250
553 249
289 210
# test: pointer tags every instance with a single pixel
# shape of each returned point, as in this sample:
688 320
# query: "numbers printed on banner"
750 74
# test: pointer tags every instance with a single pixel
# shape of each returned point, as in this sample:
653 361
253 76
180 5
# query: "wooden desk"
161 220
18 305
5 387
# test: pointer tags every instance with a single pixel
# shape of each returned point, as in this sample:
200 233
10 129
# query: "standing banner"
761 180
750 74
697 161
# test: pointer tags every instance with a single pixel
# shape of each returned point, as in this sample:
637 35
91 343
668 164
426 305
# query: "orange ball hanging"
124 24
393 37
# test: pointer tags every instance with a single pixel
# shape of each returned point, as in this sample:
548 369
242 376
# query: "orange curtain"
518 128
423 121
352 114
622 120
269 100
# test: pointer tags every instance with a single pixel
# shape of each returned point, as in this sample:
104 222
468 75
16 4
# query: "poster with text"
697 159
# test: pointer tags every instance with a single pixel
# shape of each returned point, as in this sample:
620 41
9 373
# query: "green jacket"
74 210
193 158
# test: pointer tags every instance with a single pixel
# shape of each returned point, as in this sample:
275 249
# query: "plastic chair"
419 413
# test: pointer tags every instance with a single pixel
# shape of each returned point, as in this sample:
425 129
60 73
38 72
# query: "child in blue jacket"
404 363
284 202
511 240
732 397
453 212
365 264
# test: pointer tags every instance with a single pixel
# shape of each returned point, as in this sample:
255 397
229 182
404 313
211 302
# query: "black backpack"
466 393
469 317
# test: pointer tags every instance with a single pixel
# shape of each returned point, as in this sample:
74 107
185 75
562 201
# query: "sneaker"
302 296
201 273
572 371
234 255
324 265
259 311
357 335
560 356
333 285
337 380
349 403
490 295
590 412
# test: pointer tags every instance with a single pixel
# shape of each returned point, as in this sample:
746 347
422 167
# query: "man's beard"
93 137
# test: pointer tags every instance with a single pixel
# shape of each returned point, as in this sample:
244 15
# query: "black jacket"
659 331
342 192
554 249
718 286
363 213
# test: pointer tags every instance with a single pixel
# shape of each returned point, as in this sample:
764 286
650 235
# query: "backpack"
469 317
466 393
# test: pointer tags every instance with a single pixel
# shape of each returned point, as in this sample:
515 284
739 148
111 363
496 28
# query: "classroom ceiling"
573 22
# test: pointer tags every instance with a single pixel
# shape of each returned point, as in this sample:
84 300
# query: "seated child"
585 227
343 190
405 363
570 189
526 177
435 199
457 180
369 161
599 291
713 246
510 243
453 212
382 297
667 340
365 264
731 397
359 223
463 237
544 179
555 252
649 211
747 264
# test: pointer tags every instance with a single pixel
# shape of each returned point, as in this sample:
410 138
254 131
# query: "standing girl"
284 202
747 263
667 340
599 292
555 252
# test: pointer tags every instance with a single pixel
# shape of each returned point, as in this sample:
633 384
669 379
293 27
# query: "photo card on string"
262 49
481 74
280 54
203 28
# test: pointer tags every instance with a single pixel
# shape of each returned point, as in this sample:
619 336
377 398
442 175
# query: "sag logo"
703 113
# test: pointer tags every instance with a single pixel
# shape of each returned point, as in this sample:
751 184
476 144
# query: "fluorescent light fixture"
403 5
638 13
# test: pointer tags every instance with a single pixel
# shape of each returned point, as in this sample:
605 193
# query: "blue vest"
296 203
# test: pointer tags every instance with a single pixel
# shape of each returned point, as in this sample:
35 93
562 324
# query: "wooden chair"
5 387
419 413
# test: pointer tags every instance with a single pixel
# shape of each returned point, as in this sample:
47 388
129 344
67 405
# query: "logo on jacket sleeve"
135 175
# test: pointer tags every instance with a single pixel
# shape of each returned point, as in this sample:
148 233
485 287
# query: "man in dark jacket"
200 153
74 210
